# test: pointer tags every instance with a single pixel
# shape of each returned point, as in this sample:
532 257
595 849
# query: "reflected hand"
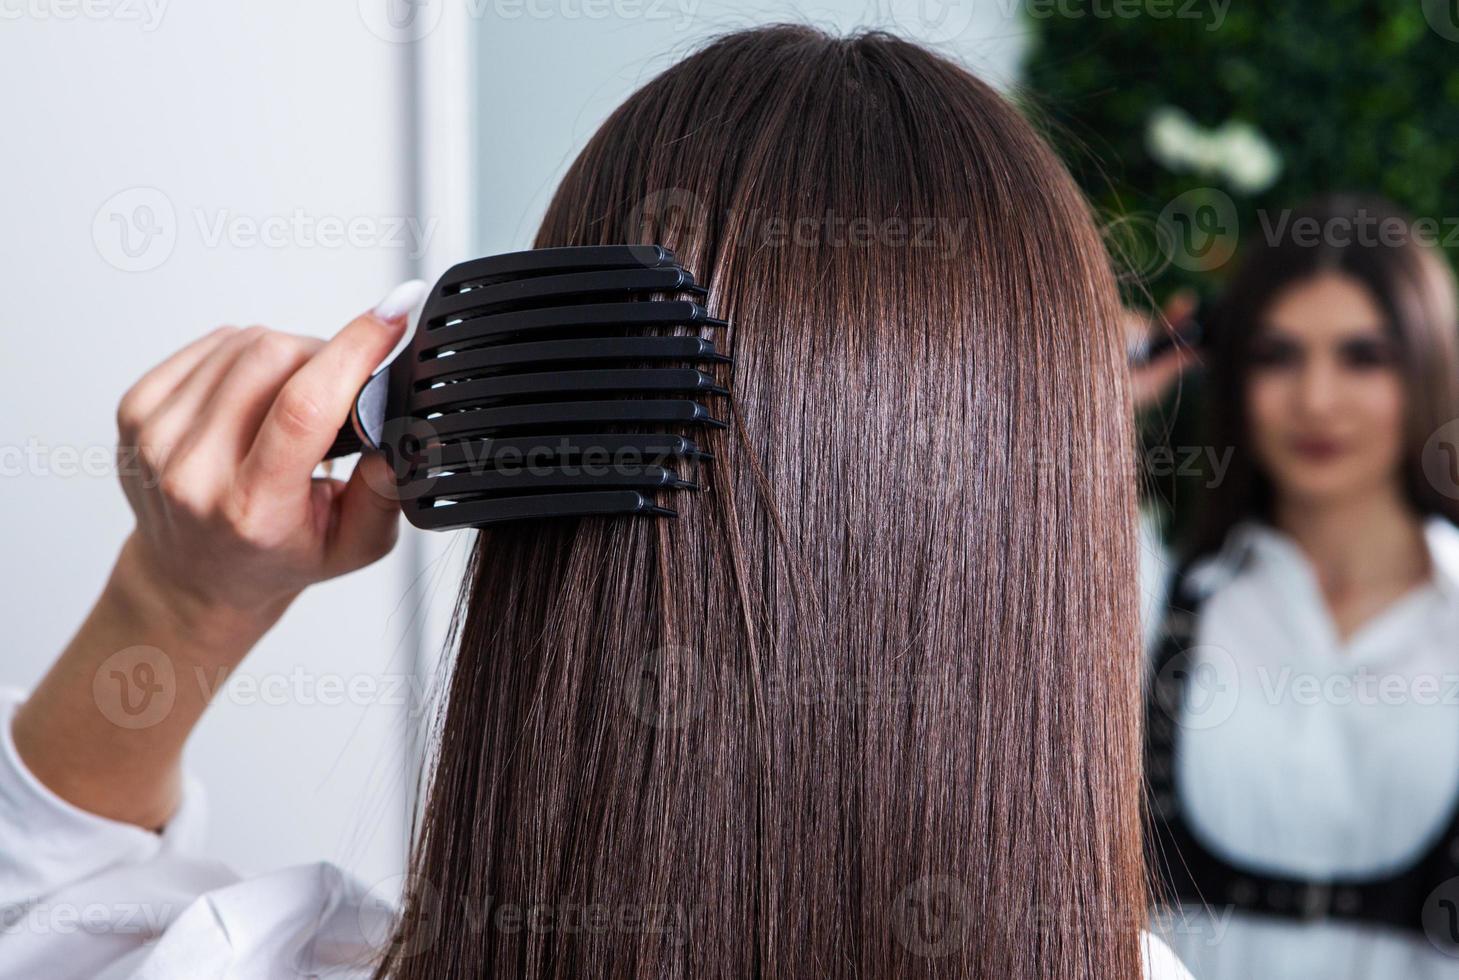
1153 379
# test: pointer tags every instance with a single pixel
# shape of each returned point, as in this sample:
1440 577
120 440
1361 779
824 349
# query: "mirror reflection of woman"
1307 790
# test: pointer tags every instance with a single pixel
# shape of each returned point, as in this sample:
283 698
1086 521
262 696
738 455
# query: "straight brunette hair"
1371 241
868 706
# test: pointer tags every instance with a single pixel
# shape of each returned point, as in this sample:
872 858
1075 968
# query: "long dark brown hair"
868 706
1370 240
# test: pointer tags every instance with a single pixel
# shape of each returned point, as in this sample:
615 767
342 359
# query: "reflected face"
1324 395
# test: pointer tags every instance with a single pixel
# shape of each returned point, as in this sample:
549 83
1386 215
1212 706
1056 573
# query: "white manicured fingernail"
401 300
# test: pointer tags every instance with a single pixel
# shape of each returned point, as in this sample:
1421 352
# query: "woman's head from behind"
1336 360
867 706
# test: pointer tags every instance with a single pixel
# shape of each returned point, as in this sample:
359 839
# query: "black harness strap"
1192 873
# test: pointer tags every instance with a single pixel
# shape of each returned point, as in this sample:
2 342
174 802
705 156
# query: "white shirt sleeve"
51 843
87 898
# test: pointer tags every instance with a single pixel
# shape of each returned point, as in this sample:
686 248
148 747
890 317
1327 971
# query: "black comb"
556 382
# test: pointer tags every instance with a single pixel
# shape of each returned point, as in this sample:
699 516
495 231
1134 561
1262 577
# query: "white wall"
240 111
552 70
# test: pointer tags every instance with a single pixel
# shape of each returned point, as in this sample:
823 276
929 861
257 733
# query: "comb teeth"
556 382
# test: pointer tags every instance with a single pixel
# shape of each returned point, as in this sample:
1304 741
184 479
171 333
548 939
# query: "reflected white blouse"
1315 757
86 898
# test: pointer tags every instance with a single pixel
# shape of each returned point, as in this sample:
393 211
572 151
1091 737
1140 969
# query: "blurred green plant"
1165 109
1191 124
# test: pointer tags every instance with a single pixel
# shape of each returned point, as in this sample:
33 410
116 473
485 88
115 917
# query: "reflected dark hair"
868 707
1370 240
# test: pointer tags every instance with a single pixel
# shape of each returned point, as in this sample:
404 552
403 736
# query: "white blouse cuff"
50 842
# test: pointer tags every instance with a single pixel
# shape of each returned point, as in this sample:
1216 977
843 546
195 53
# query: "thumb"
367 519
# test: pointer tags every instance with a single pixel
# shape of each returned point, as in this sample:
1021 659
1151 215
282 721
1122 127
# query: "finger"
1152 381
304 419
159 441
366 522
172 420
1136 324
1171 364
230 420
142 399
1180 306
